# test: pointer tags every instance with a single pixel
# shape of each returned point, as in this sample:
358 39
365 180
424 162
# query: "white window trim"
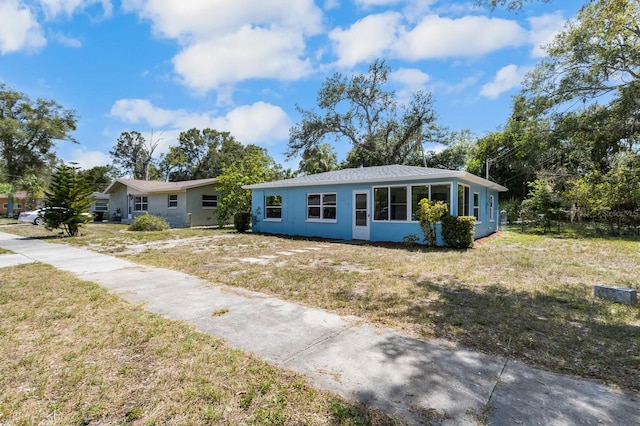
388 188
430 184
169 206
141 203
478 221
468 212
321 206
209 201
491 209
266 206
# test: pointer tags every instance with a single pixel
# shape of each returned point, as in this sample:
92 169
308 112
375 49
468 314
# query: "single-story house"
182 204
370 203
19 203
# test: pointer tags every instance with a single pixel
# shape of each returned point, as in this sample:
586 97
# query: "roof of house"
18 195
152 186
392 173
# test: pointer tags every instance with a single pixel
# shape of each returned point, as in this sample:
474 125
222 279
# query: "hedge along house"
182 204
370 203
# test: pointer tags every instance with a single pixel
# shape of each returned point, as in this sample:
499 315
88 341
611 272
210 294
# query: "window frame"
172 203
390 203
140 203
273 208
476 206
101 206
323 207
466 199
492 207
213 201
430 196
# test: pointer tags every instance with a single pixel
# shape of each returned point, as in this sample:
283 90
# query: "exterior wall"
19 205
188 212
294 212
201 216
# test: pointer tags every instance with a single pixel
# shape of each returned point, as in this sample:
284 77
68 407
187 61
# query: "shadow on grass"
563 330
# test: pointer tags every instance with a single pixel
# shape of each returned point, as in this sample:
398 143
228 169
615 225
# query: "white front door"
361 215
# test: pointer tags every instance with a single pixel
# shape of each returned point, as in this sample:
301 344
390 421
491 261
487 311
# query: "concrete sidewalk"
413 380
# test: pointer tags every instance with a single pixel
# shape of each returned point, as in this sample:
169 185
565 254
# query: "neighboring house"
100 206
183 204
370 203
19 203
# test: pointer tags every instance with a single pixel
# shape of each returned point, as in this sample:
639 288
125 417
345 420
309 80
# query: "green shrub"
458 231
242 221
149 222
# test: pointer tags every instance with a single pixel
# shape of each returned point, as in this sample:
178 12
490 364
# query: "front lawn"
524 296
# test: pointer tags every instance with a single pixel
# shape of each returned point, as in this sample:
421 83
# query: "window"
390 203
140 203
16 206
321 207
491 207
209 201
172 201
273 208
440 192
476 206
100 206
463 200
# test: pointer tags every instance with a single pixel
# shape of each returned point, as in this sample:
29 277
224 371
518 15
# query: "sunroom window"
390 203
439 192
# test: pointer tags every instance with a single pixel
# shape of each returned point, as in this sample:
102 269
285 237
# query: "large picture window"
322 206
390 203
209 201
273 207
439 192
141 203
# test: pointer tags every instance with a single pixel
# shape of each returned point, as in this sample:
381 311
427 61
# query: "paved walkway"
416 381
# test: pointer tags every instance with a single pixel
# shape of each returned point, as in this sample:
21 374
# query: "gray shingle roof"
151 186
393 173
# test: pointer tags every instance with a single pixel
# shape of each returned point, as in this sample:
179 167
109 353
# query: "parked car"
35 216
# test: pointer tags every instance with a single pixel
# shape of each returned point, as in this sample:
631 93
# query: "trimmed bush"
149 222
242 221
458 231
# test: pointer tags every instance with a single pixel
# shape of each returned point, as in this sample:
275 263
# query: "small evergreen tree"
68 201
429 213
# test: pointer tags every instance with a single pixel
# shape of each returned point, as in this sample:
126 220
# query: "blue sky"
241 66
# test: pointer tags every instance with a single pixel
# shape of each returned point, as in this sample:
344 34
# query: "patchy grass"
72 353
524 296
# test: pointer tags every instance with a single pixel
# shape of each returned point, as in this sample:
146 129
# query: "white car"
33 216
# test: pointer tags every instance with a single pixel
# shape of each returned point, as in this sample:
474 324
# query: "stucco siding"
294 220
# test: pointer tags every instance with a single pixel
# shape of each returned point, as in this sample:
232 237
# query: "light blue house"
370 203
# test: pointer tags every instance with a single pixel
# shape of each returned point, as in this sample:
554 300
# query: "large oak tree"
357 110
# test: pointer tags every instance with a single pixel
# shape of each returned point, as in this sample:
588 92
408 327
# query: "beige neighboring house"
182 204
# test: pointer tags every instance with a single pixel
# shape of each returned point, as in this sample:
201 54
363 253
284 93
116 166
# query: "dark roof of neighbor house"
392 173
153 186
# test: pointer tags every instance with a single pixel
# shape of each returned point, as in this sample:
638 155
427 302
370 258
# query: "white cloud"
245 54
259 123
68 41
469 36
410 77
19 29
54 8
226 42
88 159
506 78
366 38
543 30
